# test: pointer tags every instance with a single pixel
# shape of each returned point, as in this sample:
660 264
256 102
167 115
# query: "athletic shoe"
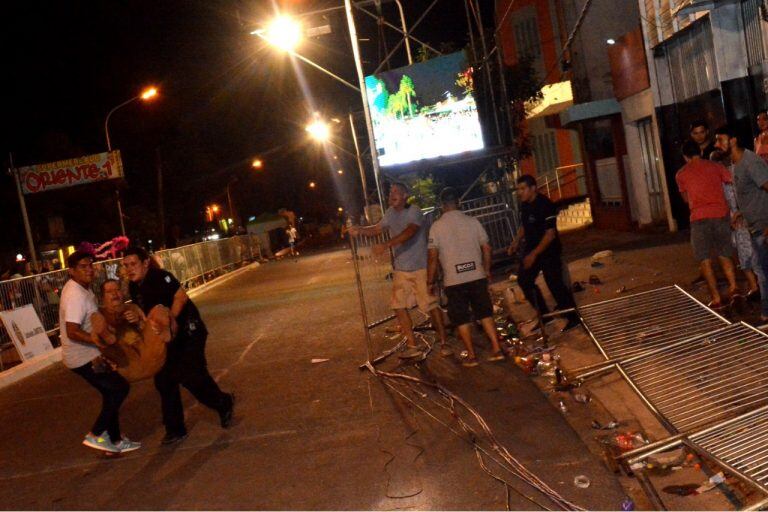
411 353
226 416
126 445
445 350
100 442
171 438
470 363
499 356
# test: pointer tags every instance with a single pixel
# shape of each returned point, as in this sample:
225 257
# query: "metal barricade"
191 264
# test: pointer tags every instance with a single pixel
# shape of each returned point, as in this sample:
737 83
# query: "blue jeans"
761 269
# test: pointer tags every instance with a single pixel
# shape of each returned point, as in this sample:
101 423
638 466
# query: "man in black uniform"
185 363
541 251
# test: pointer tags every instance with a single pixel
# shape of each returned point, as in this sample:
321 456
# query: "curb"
34 365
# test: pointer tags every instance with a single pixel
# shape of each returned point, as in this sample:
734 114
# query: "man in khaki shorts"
408 239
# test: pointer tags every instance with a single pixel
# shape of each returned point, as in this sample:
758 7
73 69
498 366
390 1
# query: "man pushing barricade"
408 239
459 245
185 362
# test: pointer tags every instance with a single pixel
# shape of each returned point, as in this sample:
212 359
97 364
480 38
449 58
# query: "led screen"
424 111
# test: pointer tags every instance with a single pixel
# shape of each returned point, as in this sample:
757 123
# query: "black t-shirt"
537 217
706 153
158 287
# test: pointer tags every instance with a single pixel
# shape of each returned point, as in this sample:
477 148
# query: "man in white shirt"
459 244
81 355
292 235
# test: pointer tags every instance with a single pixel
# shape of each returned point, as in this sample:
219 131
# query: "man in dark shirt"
699 132
541 251
185 363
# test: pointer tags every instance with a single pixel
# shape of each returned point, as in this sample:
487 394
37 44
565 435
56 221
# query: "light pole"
279 34
145 95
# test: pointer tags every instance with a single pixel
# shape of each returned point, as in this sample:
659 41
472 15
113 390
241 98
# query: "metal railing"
564 182
191 264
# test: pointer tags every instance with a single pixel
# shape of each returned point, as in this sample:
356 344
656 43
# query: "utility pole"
23 204
160 203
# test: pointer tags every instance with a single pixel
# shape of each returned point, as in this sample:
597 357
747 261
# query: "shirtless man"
135 343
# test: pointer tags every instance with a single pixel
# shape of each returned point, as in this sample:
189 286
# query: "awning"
591 110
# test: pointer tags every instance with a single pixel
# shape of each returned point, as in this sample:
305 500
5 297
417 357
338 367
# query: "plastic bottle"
627 504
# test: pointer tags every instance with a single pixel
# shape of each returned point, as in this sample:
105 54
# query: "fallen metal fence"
629 326
700 375
191 264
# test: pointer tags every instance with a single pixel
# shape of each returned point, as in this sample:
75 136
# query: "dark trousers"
552 268
113 388
186 365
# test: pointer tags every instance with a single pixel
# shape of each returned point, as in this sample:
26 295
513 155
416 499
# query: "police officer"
185 363
541 251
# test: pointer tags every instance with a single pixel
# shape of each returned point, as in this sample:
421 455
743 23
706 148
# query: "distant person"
81 355
292 235
459 245
761 141
751 183
701 185
699 133
408 239
185 362
541 252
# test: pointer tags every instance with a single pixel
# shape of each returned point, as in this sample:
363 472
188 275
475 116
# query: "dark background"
225 98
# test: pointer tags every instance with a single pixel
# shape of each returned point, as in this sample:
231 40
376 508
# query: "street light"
145 95
257 163
312 184
283 32
319 130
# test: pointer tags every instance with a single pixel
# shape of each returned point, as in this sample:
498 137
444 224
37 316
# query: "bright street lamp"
257 163
283 32
319 130
145 95
312 184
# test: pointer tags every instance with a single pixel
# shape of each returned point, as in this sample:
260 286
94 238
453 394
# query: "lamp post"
145 95
285 34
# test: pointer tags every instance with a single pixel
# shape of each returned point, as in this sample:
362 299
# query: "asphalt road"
307 435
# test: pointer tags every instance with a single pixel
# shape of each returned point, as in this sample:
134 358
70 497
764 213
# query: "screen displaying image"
423 111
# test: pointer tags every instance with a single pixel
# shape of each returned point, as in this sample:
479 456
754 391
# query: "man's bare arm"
180 298
76 333
433 259
408 233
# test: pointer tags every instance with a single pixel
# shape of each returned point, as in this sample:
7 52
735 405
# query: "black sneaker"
572 322
226 415
173 438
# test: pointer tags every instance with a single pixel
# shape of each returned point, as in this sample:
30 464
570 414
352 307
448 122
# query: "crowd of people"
726 188
457 246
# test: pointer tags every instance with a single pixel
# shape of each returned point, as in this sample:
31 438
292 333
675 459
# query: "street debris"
594 280
582 398
562 407
577 287
603 257
581 481
319 360
622 289
627 504
608 426
596 264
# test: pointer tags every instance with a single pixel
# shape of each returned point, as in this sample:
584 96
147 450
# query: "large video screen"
424 111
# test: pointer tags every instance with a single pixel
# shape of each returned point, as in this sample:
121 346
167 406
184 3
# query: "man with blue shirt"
408 240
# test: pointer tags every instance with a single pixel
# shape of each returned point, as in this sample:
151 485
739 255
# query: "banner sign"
68 173
26 331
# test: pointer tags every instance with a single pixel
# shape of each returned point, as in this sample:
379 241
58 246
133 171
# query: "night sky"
225 98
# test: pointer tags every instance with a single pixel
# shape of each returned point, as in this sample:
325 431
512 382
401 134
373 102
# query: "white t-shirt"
76 306
292 234
458 239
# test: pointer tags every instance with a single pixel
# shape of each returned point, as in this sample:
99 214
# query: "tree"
424 192
524 93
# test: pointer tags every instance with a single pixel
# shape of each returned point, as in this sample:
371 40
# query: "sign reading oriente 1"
68 173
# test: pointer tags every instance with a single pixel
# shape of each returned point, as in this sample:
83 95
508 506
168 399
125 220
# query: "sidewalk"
640 262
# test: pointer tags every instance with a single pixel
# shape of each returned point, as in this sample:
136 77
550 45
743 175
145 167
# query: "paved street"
306 436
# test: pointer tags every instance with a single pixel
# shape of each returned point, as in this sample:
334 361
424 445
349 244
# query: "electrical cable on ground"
514 466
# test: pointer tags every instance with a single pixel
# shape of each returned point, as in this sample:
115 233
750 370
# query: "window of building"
752 13
691 60
545 153
527 41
